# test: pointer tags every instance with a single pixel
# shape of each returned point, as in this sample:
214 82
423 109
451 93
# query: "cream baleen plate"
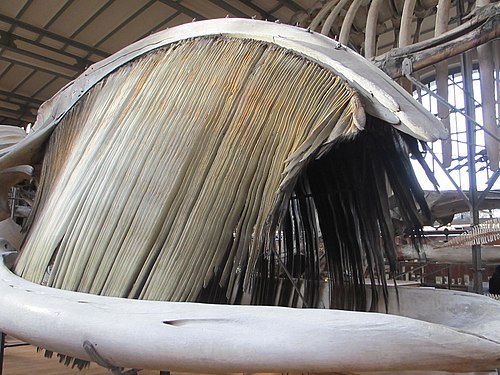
381 96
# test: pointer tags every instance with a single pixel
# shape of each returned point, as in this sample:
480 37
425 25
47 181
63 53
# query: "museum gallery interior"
261 186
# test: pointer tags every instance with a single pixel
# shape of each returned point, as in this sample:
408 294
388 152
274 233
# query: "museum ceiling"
44 45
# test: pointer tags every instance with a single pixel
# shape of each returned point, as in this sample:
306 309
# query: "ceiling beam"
177 6
6 120
27 99
263 13
230 9
159 26
43 58
26 106
292 5
30 66
57 14
17 115
125 22
80 61
51 35
92 18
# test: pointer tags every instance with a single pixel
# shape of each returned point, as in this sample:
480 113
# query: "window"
458 168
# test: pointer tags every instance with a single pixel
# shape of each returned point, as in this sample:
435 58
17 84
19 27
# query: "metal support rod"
412 270
13 203
436 159
466 65
491 182
2 350
449 278
467 116
51 35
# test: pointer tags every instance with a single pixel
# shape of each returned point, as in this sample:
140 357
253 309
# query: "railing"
416 271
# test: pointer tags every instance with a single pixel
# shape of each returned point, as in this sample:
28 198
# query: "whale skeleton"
128 333
462 332
380 96
108 205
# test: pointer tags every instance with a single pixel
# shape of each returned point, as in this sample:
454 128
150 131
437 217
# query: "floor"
23 360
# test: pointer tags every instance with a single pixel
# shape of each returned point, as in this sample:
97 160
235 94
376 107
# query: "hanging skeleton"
364 27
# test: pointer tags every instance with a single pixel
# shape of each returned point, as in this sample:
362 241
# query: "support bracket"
101 361
407 66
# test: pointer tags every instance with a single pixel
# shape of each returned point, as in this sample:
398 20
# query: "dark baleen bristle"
80 364
348 191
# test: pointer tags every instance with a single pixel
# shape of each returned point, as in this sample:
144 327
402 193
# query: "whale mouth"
210 168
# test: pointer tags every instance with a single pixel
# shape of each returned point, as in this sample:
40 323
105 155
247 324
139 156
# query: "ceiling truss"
39 54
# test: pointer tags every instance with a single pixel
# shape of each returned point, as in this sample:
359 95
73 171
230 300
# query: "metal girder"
51 35
91 19
125 22
7 112
466 70
56 15
264 13
6 39
407 70
229 8
46 59
27 99
30 66
183 9
238 13
292 5
79 60
161 24
443 168
26 105
491 182
5 120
